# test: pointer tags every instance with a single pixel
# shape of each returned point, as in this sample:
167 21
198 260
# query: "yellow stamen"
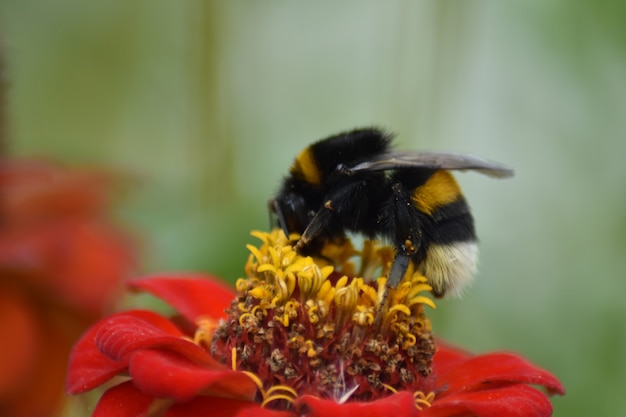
241 285
311 352
409 341
346 298
261 292
282 286
285 388
233 359
274 257
390 388
256 253
326 293
370 295
257 381
266 267
259 311
262 236
399 308
276 397
316 310
422 300
341 282
204 331
247 318
422 399
400 292
382 287
364 316
310 280
292 307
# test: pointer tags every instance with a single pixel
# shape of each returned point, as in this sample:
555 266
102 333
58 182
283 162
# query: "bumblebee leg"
320 221
404 229
275 208
398 269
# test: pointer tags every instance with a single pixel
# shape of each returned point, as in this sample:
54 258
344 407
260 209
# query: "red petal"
223 407
90 366
87 366
496 368
511 401
120 336
165 374
192 295
401 404
123 400
448 357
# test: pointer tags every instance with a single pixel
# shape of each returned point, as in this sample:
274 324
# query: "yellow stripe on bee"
305 166
440 189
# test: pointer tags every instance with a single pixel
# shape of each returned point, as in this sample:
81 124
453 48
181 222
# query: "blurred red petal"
38 189
77 262
401 404
123 400
122 335
511 401
494 368
165 374
41 393
93 259
223 407
17 357
192 295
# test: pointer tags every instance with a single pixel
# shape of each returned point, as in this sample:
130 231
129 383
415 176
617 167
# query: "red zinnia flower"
296 339
60 264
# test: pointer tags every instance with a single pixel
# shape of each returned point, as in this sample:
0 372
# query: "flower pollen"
315 326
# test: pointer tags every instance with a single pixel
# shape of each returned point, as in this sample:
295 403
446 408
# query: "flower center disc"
317 326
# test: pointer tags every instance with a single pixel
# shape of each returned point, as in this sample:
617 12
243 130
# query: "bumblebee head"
327 161
290 212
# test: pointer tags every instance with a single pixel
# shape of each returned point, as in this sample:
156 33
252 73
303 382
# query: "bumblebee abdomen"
446 214
439 190
449 254
451 223
450 267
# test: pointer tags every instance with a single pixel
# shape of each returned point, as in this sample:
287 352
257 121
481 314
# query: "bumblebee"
355 182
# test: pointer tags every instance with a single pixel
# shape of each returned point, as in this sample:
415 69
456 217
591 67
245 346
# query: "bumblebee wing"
433 160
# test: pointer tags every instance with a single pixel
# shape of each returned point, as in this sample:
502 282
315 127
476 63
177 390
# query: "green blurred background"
204 105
